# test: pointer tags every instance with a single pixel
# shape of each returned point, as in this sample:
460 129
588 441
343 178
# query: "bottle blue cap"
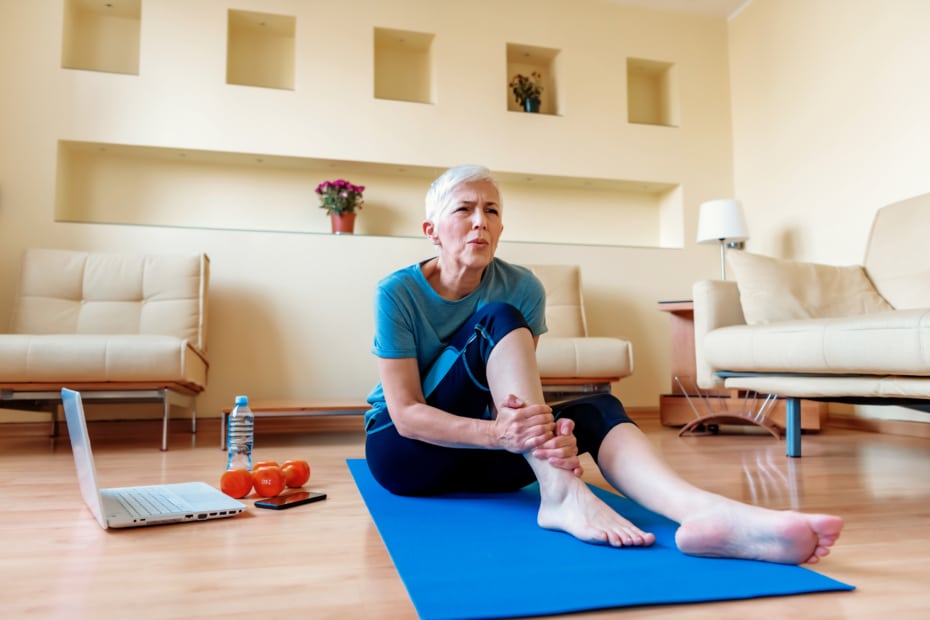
242 400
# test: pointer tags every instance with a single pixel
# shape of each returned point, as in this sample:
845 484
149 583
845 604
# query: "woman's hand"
520 427
562 450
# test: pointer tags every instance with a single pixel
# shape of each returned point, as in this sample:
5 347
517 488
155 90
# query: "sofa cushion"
584 357
773 289
65 292
564 301
895 342
896 257
29 358
877 386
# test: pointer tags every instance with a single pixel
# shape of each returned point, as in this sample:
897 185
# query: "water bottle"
240 435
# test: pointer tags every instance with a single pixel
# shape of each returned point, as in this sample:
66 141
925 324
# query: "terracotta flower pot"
343 223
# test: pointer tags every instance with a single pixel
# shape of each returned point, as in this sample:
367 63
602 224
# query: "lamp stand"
723 260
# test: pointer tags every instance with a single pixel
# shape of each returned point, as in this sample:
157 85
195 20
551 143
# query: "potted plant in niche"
526 90
341 199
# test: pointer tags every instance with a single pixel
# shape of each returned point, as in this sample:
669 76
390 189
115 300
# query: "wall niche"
101 35
652 92
404 65
260 49
526 59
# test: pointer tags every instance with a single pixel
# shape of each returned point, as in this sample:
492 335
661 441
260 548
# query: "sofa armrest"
716 304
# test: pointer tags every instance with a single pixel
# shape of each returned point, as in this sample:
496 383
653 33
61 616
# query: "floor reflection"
771 479
894 471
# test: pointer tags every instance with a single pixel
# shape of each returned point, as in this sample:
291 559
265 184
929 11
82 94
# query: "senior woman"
460 407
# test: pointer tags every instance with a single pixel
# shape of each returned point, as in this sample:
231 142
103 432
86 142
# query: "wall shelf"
157 186
101 35
260 49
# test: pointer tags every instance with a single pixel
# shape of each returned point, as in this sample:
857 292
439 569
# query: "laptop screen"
83 457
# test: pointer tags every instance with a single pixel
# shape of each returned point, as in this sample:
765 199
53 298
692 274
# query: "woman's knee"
500 318
594 416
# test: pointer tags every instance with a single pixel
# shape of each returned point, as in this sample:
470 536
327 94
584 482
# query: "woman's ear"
429 229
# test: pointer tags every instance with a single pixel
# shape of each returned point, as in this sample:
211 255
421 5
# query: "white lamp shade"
720 220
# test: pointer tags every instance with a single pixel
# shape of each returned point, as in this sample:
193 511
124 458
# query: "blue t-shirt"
412 320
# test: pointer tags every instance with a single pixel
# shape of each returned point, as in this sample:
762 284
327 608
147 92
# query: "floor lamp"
722 221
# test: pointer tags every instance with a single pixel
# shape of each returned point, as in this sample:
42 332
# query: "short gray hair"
440 192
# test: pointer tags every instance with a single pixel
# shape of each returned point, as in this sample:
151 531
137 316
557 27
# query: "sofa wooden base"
46 397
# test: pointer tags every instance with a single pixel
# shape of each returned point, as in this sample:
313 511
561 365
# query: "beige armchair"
115 327
570 361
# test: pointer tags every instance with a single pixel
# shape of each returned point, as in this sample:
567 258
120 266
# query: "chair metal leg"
53 410
169 398
793 426
164 425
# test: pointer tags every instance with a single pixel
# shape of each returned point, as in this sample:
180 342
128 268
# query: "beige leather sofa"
857 333
570 361
115 327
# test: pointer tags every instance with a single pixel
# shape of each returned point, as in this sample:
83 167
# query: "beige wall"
830 122
830 119
290 313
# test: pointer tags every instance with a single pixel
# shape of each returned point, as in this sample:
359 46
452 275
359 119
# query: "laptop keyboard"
144 502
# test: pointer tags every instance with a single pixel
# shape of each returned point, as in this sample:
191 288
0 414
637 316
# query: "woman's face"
468 230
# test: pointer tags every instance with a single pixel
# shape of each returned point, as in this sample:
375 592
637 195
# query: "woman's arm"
514 429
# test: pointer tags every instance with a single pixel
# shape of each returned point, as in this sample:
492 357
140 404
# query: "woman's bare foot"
734 530
582 514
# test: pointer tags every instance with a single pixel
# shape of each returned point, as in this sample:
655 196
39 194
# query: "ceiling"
714 8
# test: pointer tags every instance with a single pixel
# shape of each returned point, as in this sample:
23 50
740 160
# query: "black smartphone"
289 500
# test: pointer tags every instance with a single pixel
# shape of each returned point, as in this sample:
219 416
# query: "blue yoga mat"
483 556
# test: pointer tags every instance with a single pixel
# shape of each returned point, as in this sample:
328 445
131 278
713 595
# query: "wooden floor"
327 560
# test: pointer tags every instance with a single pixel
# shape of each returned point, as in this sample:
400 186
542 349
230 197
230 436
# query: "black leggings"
411 467
457 383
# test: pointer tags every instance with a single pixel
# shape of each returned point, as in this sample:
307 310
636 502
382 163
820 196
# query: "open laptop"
143 505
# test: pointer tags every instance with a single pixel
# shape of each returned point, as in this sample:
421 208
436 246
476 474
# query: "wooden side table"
674 408
681 332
